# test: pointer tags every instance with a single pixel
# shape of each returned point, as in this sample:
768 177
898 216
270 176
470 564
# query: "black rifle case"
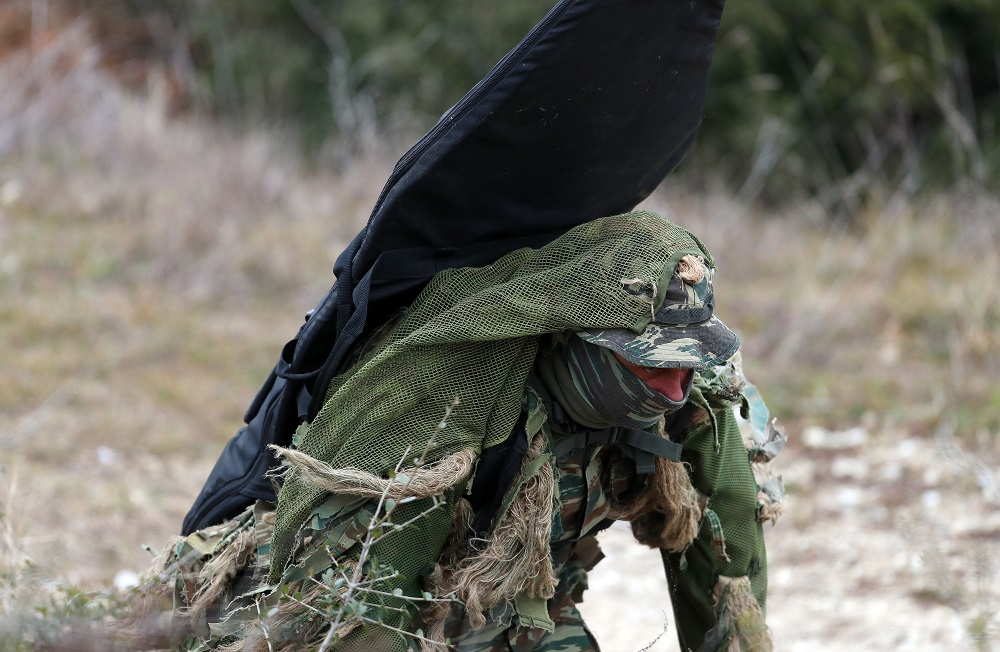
584 118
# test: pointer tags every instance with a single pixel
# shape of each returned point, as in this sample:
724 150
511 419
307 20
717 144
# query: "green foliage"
818 97
37 613
330 66
811 94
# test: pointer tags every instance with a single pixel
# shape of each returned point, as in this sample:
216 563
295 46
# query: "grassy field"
151 269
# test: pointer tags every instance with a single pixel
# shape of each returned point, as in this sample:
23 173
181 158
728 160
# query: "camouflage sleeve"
719 583
218 576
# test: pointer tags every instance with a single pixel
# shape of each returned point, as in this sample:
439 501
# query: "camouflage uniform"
590 481
593 479
717 580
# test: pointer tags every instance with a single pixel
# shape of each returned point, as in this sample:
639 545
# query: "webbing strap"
638 439
646 444
650 443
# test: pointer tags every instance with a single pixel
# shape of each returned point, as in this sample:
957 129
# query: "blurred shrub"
828 98
833 96
337 68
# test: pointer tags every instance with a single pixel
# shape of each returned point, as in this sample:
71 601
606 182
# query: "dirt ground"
887 543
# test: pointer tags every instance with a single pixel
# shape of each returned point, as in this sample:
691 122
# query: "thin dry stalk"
413 482
441 475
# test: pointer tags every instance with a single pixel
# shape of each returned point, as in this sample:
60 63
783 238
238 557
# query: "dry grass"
896 319
150 271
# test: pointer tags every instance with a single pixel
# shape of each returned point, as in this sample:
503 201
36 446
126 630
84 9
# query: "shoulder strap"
497 468
645 444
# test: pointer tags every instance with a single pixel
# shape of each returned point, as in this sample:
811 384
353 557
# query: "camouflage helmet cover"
684 333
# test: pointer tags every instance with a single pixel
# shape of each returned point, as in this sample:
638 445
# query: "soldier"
582 382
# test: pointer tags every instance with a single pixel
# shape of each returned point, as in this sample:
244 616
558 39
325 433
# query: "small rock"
907 448
10 192
930 499
816 437
849 496
106 456
849 467
891 471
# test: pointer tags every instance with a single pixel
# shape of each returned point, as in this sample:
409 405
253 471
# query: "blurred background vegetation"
833 99
177 177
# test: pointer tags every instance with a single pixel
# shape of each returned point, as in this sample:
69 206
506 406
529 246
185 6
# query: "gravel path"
887 543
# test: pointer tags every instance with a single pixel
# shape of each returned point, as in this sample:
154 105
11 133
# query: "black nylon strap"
639 439
645 463
497 468
650 443
645 443
580 440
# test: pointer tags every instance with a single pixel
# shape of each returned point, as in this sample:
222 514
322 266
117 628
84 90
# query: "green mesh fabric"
731 541
473 334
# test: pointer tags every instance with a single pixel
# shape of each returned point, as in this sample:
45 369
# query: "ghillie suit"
404 422
471 341
581 119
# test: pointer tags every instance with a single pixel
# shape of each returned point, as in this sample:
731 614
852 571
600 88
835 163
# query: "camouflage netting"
473 334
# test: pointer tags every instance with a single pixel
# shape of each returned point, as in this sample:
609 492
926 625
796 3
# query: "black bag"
583 119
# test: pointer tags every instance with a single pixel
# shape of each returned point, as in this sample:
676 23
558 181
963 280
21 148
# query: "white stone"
106 456
849 496
931 499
